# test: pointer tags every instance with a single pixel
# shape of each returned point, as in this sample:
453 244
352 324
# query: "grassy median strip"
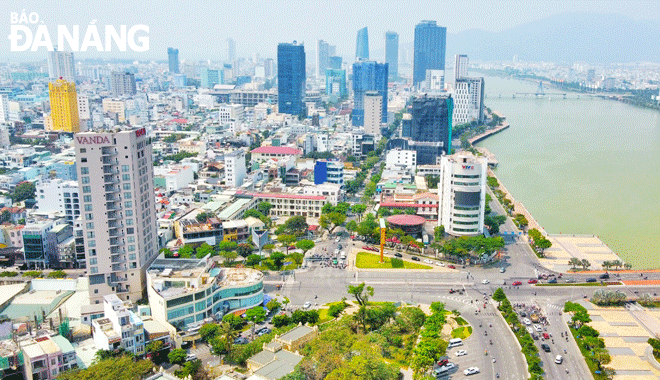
370 261
526 342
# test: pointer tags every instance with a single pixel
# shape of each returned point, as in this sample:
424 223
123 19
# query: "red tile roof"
406 220
401 204
285 195
276 150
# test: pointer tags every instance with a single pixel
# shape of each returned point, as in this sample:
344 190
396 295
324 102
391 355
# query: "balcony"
118 267
121 289
109 170
110 161
112 189
117 260
116 233
115 242
115 225
110 179
112 198
116 251
108 152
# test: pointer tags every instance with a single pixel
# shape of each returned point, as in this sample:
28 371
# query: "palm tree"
226 331
585 264
574 262
617 264
606 265
627 266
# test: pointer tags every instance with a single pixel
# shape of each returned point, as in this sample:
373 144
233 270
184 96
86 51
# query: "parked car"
471 371
517 283
367 248
570 280
545 347
532 281
397 254
415 258
538 328
604 276
527 321
241 340
444 369
461 353
443 360
191 357
502 270
440 264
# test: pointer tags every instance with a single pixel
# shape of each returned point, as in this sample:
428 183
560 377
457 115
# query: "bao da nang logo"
27 32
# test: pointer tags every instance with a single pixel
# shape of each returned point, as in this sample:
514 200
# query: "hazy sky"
199 28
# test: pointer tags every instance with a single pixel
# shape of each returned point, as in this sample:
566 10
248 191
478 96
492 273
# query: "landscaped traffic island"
367 260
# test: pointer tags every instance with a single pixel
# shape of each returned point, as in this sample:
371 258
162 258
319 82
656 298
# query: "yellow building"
64 106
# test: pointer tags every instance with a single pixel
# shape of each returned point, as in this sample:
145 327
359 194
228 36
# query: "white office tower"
461 66
468 101
4 108
435 80
322 58
462 191
61 65
373 106
235 168
116 180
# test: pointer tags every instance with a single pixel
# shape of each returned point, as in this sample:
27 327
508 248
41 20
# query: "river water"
582 166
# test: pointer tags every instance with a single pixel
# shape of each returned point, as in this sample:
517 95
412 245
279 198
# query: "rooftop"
406 220
276 150
296 333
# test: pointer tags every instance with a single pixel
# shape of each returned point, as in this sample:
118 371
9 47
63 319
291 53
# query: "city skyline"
172 25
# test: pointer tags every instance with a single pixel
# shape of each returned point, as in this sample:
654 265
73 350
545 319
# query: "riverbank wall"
488 133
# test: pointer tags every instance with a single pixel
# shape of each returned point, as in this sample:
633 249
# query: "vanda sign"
89 140
27 32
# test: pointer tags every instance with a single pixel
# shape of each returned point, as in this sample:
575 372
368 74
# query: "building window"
124 168
92 261
88 207
128 204
84 159
90 226
90 234
89 216
127 186
130 230
87 198
85 179
125 177
94 270
87 189
129 222
129 212
131 248
83 150
132 255
130 239
91 243
127 195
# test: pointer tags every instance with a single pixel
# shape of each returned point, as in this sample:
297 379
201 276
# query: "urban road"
320 285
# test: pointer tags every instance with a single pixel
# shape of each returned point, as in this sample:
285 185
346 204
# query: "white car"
445 368
485 281
530 330
440 263
527 321
538 328
471 371
461 353
307 305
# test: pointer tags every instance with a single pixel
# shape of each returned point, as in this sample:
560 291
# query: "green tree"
337 219
167 253
234 321
574 262
493 183
361 293
296 225
203 216
253 260
327 208
116 368
499 295
204 250
155 346
177 356
264 207
351 226
185 252
358 209
585 264
278 258
229 257
305 245
22 191
227 246
342 208
253 213
324 222
244 249
281 320
439 233
286 241
57 274
255 315
273 305
544 244
208 331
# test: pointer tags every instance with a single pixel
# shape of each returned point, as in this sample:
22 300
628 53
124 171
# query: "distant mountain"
568 37
595 38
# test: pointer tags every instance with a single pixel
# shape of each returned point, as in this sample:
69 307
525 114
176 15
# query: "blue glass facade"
392 54
362 44
210 77
335 82
368 76
430 45
173 60
291 78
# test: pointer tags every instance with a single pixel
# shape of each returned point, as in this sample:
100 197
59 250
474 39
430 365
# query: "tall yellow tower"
64 106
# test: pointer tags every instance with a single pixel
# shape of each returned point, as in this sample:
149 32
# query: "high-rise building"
210 77
4 108
328 171
468 100
392 54
269 68
173 60
431 123
291 78
462 193
373 107
64 106
61 66
362 44
461 66
430 44
368 76
116 181
235 168
435 80
123 83
335 82
322 57
334 62
231 51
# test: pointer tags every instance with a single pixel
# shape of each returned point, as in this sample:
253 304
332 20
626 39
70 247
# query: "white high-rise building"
461 66
235 168
435 80
373 106
229 112
462 192
116 181
401 159
61 65
4 108
468 100
83 107
59 196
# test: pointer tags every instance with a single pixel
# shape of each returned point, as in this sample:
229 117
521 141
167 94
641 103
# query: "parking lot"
474 357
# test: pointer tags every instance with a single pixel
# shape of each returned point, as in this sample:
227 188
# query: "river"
582 166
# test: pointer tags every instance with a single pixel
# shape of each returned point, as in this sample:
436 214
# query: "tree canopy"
115 368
